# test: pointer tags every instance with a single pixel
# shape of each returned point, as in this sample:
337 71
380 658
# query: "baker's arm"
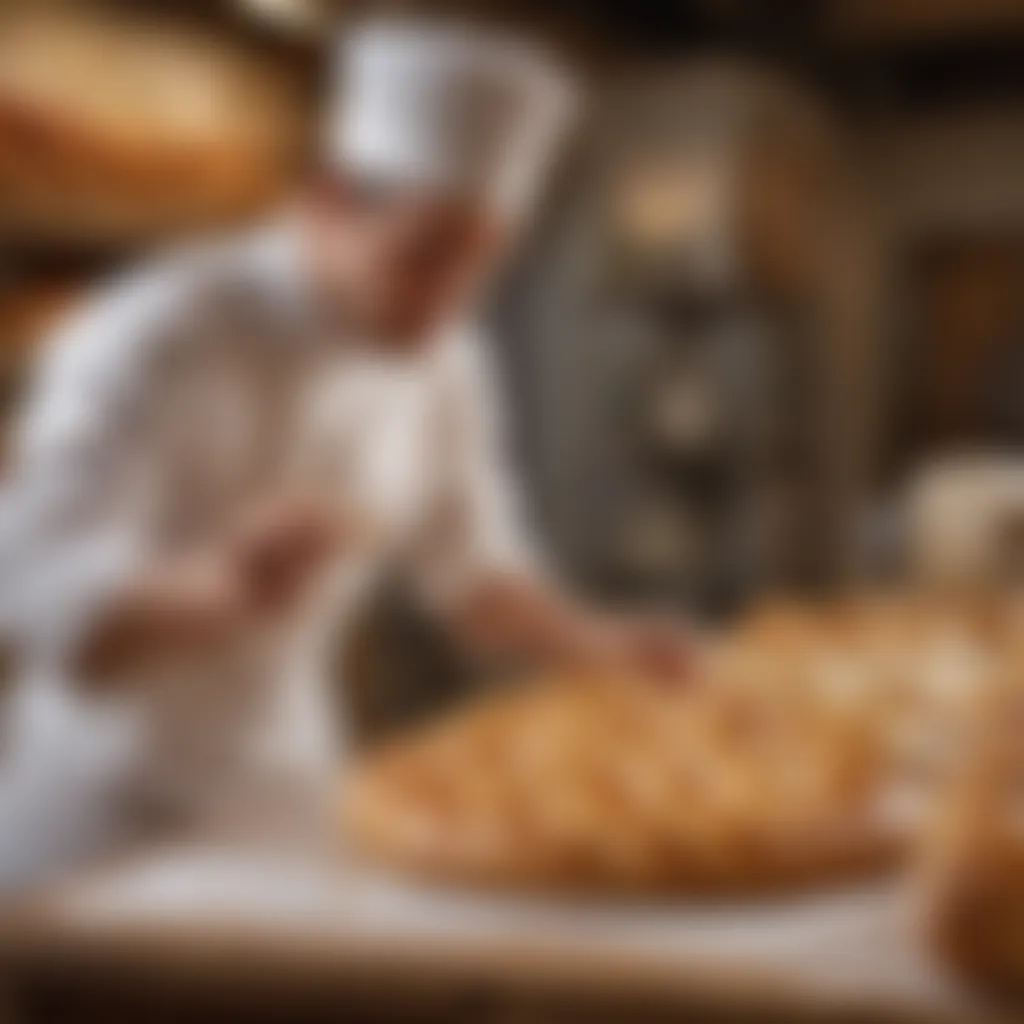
73 508
518 615
493 587
84 583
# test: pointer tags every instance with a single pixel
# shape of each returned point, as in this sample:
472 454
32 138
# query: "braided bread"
793 760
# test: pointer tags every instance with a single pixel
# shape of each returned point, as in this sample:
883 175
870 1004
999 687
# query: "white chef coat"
176 398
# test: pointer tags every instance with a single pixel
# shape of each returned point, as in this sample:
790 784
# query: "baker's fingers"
300 524
280 549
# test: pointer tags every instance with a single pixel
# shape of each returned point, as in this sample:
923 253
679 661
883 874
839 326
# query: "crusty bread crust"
113 130
777 770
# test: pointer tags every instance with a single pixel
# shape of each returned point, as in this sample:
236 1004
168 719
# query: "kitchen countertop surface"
222 913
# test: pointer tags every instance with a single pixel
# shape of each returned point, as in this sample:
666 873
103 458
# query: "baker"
225 448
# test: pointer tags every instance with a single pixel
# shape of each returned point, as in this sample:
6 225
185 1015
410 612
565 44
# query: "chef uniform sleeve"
477 524
75 506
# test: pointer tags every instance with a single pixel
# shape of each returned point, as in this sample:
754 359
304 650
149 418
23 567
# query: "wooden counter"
281 932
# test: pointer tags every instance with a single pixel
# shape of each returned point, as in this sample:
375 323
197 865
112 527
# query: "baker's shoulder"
167 309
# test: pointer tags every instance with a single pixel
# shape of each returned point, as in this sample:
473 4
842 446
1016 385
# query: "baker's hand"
280 548
506 614
177 609
195 605
659 649
648 648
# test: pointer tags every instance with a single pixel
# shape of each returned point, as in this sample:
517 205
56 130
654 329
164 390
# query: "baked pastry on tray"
782 767
614 785
918 664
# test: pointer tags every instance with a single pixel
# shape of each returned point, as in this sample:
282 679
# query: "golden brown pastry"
812 749
614 785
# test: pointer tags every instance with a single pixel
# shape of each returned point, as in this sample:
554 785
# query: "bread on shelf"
117 130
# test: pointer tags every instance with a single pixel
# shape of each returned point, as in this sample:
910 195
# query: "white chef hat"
465 110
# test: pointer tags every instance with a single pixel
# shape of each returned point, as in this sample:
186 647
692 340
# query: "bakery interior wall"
778 273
